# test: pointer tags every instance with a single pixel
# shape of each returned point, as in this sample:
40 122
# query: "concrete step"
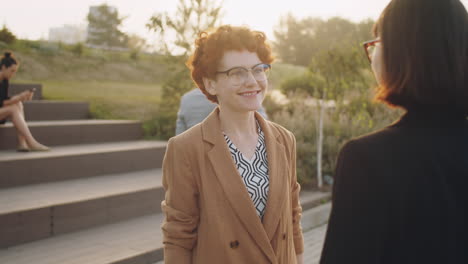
39 211
60 207
137 240
73 132
79 161
311 199
55 110
313 244
316 216
316 208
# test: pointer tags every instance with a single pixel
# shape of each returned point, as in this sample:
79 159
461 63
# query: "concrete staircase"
94 199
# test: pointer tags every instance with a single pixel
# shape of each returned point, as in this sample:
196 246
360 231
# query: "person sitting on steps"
12 108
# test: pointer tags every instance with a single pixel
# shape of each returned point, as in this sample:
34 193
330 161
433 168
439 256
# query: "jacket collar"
430 116
211 127
235 189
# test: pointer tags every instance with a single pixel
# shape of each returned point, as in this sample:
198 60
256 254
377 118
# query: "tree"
331 75
295 39
103 29
7 36
191 18
331 49
136 44
339 71
299 41
177 34
78 49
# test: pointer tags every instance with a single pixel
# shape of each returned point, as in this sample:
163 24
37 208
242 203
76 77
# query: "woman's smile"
250 93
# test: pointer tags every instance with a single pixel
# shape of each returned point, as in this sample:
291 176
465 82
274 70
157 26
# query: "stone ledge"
316 216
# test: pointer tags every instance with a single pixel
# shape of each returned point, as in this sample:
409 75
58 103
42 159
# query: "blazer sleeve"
180 206
296 204
353 234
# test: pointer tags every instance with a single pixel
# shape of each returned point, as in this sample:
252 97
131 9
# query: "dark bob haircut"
425 54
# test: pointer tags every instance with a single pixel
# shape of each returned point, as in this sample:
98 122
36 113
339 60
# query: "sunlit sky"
32 19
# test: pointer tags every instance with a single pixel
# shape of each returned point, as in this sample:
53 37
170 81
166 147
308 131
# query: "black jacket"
400 194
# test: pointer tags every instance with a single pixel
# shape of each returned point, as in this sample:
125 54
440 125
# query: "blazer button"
234 244
284 236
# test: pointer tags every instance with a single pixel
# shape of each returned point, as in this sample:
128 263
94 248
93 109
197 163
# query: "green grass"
108 100
119 99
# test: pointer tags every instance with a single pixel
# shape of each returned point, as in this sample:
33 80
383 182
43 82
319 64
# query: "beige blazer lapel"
232 184
278 175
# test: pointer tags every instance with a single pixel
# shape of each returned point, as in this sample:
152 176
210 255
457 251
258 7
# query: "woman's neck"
236 123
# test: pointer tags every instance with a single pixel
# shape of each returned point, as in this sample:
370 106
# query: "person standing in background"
194 108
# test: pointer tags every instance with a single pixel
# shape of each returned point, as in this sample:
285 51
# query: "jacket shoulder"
188 137
285 134
364 153
378 140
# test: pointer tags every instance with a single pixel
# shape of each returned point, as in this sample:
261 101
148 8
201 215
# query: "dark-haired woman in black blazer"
400 194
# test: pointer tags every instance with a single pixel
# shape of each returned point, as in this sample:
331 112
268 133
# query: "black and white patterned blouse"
254 172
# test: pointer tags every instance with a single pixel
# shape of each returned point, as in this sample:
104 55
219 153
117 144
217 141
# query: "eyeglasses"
239 75
369 47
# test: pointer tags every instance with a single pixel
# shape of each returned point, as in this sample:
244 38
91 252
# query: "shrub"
7 36
134 55
340 125
78 49
177 83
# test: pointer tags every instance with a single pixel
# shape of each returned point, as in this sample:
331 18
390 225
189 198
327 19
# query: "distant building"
69 34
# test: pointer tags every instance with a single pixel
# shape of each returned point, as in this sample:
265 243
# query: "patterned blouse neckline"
254 172
261 138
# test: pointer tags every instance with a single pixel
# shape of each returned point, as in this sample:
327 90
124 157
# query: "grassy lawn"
125 100
108 100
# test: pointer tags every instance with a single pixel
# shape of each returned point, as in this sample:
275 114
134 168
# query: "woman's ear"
209 86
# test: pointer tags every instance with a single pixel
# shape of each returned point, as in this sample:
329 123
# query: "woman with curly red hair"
231 189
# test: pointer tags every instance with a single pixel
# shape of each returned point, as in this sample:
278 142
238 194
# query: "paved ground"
313 243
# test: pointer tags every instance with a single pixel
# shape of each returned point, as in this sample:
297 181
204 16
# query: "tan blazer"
210 217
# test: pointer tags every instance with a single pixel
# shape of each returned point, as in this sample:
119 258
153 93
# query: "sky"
31 19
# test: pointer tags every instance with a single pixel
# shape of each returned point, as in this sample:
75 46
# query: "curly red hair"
211 46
